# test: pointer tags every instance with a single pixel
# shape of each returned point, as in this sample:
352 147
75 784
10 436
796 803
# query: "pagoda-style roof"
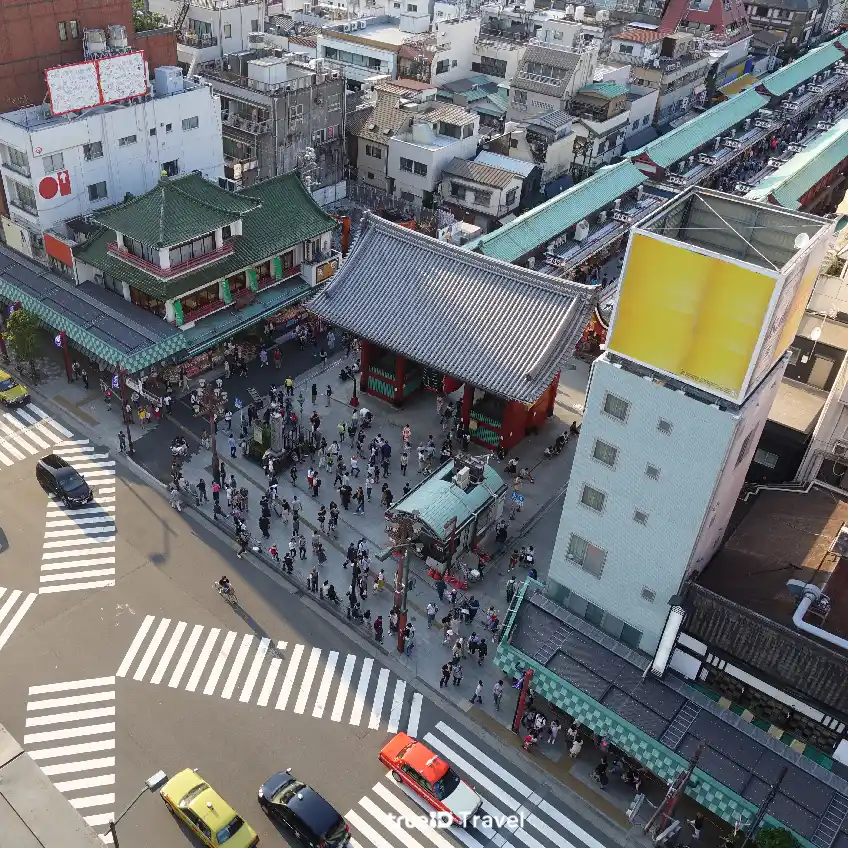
282 214
502 328
176 211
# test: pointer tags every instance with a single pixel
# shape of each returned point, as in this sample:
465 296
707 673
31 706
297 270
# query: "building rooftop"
497 326
642 36
608 90
797 406
784 536
386 33
479 173
808 65
546 70
505 163
176 211
792 180
282 214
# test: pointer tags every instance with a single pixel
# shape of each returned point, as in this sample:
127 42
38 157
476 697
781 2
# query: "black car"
303 811
58 478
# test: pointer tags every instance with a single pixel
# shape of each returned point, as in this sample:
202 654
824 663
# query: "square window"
616 407
653 472
228 30
169 127
766 458
53 163
593 498
631 636
588 556
97 191
127 140
171 168
94 150
664 426
640 517
648 594
605 453
370 175
153 132
191 123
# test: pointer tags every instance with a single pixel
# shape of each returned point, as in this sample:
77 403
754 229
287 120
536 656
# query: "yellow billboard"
693 316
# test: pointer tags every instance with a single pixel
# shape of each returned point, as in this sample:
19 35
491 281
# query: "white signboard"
73 87
122 76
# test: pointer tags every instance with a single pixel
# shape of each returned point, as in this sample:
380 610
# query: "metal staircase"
547 649
675 732
181 16
830 822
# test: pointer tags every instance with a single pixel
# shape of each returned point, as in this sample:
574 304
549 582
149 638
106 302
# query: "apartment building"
480 194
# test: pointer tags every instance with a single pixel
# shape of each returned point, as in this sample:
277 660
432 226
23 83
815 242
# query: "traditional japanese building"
434 317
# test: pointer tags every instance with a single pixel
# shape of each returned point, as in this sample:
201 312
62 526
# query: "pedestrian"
408 638
553 729
369 485
201 490
265 526
457 674
482 650
301 546
576 748
84 377
329 393
432 609
228 420
697 825
381 581
331 341
316 486
122 442
477 697
216 493
243 539
440 586
314 393
233 445
359 497
142 416
497 694
289 384
510 590
404 461
446 673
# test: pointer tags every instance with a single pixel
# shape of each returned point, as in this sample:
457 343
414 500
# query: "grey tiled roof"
479 173
500 327
562 63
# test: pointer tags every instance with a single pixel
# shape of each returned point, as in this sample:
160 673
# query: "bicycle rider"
224 585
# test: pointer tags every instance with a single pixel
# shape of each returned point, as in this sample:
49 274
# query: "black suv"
58 478
303 811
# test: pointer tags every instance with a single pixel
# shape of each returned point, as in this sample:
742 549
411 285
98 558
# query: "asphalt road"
119 659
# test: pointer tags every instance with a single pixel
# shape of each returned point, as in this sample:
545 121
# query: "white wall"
640 51
134 168
496 201
388 59
640 108
460 35
691 460
434 157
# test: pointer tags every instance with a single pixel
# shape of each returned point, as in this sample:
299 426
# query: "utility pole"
212 405
675 790
753 827
408 528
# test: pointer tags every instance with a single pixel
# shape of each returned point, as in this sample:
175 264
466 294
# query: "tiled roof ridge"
255 200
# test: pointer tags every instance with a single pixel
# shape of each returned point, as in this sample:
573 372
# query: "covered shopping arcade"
431 316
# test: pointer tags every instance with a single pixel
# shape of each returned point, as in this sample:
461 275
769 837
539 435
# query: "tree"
775 837
22 333
144 19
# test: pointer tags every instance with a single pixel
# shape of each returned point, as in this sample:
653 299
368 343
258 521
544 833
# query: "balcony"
23 170
321 267
248 125
197 40
22 206
203 311
174 270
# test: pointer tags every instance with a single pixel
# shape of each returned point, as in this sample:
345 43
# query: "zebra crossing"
308 681
70 733
26 432
540 823
79 544
13 607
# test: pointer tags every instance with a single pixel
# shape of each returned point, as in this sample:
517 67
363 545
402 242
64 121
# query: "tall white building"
713 288
56 168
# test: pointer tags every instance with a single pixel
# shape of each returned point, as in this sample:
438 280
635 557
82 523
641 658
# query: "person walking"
482 650
446 673
122 442
553 730
201 490
404 462
329 393
408 638
697 825
231 441
497 694
359 497
457 673
432 609
477 697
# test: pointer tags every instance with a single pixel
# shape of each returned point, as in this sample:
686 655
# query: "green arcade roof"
282 214
792 180
176 211
604 89
810 64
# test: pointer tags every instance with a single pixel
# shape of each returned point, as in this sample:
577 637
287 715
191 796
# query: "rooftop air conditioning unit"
462 478
602 217
581 230
840 449
346 27
363 24
617 204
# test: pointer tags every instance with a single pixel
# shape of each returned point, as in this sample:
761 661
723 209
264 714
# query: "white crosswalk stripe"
75 540
86 781
27 431
518 816
255 670
14 605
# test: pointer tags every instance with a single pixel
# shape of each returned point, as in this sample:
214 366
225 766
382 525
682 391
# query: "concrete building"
55 168
602 112
800 20
480 194
275 107
645 509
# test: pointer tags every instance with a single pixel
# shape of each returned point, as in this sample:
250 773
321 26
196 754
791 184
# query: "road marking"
169 653
95 520
326 683
220 660
158 636
361 691
253 671
79 765
78 563
10 602
99 820
75 587
69 543
182 663
205 652
69 532
62 718
69 733
397 707
414 715
271 677
74 700
55 424
235 671
344 685
369 833
306 683
86 783
574 829
85 512
390 825
92 801
83 552
64 575
73 750
288 680
5 460
379 697
73 685
409 814
15 620
24 433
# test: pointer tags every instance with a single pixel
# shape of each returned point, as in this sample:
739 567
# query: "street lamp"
212 404
150 785
409 528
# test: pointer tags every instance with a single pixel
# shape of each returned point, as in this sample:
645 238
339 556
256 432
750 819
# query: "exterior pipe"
812 594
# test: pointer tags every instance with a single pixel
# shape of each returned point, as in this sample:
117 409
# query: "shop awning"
739 84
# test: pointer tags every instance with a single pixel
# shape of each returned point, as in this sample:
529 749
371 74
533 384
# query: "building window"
616 407
794 355
626 49
73 26
648 595
594 615
746 446
373 151
152 132
630 636
370 175
53 163
419 168
511 195
94 150
127 140
24 197
97 191
192 250
407 197
169 127
63 31
664 426
142 251
588 556
762 457
228 30
191 123
396 5
653 472
334 102
411 7
646 120
406 164
593 498
442 66
145 301
457 190
605 453
640 517
171 168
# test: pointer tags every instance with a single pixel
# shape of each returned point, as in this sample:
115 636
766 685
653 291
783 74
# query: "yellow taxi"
210 817
12 393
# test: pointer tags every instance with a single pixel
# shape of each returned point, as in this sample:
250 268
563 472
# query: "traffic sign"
237 403
57 340
116 382
517 498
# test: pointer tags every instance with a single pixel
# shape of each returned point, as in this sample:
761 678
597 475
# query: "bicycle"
229 595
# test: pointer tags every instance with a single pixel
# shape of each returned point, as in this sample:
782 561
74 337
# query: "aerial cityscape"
424 424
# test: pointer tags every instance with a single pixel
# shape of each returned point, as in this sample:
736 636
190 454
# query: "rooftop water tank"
95 41
168 80
579 13
118 37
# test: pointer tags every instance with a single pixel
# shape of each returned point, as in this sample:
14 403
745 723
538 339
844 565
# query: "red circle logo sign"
48 188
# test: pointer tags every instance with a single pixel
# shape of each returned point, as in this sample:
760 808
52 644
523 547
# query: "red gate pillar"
364 363
467 400
400 377
522 700
552 399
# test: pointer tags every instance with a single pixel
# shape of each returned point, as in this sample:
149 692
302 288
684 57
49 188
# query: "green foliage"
775 837
144 20
22 333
